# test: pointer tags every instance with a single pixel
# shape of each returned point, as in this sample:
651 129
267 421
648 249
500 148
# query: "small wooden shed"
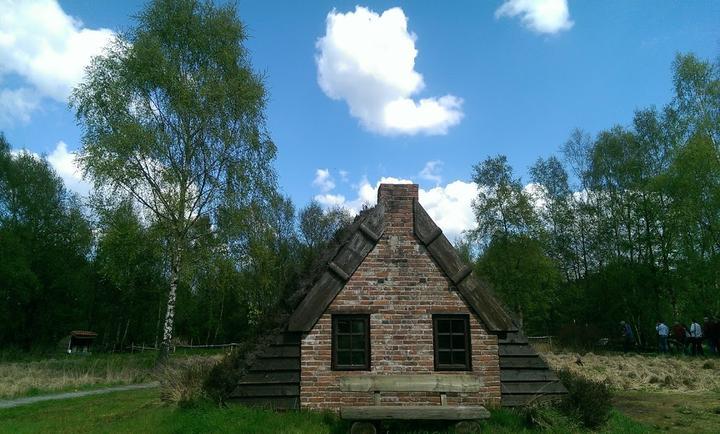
80 341
395 319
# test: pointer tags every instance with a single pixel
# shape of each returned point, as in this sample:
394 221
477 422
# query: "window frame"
334 350
467 366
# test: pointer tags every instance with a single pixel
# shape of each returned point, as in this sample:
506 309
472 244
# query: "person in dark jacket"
710 330
679 337
627 335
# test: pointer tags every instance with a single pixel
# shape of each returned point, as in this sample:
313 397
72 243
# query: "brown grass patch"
182 380
67 373
639 372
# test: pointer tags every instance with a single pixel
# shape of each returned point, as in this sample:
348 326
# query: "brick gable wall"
401 287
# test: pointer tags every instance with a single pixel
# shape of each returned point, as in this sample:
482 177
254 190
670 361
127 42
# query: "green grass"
142 411
690 412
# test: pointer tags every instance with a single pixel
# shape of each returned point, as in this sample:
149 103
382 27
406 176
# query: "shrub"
223 377
182 382
589 402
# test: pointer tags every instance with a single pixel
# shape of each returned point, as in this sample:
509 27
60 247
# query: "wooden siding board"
522 363
533 388
265 390
516 350
270 378
281 351
512 375
277 403
277 364
510 400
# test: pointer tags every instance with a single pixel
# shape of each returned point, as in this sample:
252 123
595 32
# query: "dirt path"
68 395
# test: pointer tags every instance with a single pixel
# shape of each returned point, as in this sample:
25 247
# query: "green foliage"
587 401
45 241
173 116
633 235
523 276
502 207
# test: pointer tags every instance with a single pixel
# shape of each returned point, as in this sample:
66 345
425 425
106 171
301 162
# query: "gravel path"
33 399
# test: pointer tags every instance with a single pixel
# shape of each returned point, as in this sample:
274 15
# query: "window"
451 335
350 342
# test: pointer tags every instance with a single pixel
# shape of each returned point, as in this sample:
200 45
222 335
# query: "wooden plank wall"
273 379
524 376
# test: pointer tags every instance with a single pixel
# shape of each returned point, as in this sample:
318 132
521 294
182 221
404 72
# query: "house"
395 318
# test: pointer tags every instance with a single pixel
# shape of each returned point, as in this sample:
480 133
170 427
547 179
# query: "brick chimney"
398 201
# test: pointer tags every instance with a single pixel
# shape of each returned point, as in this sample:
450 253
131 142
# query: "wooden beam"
339 272
276 402
533 388
270 378
487 307
407 412
369 233
522 363
277 364
513 375
510 400
412 383
516 350
347 259
315 303
281 351
261 390
461 274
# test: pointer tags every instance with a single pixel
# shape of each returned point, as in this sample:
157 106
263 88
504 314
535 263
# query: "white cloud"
330 200
431 171
45 47
538 194
368 60
16 105
323 180
450 205
65 164
344 175
541 16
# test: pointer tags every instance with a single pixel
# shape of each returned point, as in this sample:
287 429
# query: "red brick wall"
401 287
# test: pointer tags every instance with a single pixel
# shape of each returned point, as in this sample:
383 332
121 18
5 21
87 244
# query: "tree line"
101 264
623 225
187 236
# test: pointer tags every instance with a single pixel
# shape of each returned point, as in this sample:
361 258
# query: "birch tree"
173 115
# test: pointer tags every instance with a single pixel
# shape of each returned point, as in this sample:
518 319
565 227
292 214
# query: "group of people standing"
684 339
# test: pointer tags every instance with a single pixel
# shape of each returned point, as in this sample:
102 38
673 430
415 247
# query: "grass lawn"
691 412
28 376
142 411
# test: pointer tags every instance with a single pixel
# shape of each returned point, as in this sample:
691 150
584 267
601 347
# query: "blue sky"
506 76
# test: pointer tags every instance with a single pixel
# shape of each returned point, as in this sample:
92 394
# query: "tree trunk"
164 352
